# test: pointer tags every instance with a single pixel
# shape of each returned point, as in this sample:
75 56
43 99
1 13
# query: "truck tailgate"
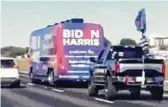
134 67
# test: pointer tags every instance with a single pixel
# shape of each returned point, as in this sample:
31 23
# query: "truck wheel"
92 89
135 93
110 90
157 93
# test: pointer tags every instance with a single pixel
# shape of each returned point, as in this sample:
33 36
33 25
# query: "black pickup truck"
124 68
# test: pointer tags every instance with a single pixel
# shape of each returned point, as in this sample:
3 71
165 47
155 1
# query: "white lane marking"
57 90
102 100
31 84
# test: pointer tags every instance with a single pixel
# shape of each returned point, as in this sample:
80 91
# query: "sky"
20 18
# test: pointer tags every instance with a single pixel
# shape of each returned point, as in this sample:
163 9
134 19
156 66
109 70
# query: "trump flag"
140 21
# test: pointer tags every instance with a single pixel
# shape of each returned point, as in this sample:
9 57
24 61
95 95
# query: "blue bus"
62 51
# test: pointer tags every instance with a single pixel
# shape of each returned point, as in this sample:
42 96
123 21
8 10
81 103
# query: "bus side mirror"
92 59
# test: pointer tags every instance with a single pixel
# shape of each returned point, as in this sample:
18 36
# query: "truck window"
100 55
122 52
109 56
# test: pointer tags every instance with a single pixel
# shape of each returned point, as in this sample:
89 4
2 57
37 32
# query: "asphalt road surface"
43 95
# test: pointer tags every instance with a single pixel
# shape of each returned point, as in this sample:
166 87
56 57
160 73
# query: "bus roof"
39 31
42 30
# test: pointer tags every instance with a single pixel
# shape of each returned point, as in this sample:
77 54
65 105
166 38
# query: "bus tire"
34 81
50 76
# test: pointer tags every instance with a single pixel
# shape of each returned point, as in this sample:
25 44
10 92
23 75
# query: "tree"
127 41
12 51
27 49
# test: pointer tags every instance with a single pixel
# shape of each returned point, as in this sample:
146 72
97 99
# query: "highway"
43 95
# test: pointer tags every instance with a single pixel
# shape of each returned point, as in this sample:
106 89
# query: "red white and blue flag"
140 21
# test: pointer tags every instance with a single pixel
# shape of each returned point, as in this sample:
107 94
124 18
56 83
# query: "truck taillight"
163 68
117 67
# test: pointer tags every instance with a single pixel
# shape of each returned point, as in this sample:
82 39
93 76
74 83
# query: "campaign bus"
62 51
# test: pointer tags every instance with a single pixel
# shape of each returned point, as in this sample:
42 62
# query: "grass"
23 64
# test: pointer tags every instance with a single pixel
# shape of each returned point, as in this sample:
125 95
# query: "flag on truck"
144 44
140 23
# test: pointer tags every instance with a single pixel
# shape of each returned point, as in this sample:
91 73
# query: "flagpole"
143 71
140 23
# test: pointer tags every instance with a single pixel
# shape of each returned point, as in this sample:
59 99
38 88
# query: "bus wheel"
35 81
51 77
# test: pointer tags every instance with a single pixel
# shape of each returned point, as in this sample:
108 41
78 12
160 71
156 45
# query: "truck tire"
92 88
135 93
110 90
157 93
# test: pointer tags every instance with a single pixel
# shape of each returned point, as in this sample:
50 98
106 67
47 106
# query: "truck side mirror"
92 59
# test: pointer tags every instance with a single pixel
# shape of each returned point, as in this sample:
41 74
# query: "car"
9 73
124 68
